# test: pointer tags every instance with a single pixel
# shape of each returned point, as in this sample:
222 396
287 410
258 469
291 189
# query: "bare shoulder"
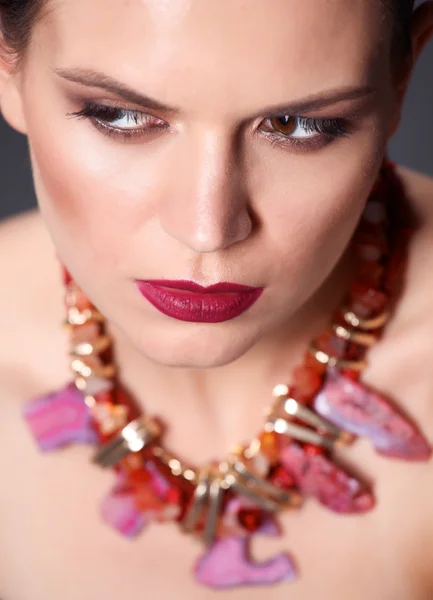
398 365
419 189
27 253
30 305
28 259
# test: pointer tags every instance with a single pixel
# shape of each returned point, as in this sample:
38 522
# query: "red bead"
313 450
281 478
66 275
370 246
173 496
132 462
366 301
104 397
371 273
120 396
138 477
354 351
329 343
395 273
251 519
353 375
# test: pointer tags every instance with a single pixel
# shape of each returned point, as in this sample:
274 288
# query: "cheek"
309 208
93 198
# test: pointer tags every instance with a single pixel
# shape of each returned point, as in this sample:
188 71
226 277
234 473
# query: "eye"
303 131
286 124
119 121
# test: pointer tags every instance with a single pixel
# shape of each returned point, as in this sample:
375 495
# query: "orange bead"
85 333
306 381
146 499
138 477
314 364
269 445
132 462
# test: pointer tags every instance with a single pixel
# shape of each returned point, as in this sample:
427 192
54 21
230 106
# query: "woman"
212 179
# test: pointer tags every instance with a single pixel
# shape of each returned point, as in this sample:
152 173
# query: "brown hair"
18 18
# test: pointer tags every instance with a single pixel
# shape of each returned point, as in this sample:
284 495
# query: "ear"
11 105
422 28
421 33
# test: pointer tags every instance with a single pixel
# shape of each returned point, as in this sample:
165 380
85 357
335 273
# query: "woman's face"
211 176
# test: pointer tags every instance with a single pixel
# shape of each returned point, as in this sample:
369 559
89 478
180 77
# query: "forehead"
241 48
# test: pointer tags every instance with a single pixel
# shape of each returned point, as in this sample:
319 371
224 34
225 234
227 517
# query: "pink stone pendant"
59 419
227 565
363 412
119 511
318 476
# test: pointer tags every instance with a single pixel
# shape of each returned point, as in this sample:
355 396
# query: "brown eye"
304 132
285 124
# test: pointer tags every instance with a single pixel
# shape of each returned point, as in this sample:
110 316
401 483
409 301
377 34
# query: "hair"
17 21
401 13
19 17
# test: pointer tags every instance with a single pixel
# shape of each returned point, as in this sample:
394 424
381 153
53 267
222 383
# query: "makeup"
188 301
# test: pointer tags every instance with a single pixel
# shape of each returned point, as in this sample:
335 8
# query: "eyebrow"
95 79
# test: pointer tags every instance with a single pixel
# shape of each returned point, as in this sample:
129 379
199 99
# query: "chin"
198 347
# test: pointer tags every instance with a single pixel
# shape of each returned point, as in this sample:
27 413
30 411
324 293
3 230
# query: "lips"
188 301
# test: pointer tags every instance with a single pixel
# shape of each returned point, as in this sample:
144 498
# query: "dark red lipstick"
188 301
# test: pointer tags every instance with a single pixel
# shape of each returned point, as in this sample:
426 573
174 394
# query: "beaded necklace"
325 406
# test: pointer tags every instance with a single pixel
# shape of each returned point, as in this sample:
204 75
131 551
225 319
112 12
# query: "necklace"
325 406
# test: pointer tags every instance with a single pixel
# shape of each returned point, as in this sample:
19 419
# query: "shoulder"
30 305
419 188
409 350
26 269
399 364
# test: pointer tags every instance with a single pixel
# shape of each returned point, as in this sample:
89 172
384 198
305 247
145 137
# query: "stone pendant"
363 412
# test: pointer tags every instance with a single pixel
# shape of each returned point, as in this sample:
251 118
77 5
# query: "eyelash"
101 115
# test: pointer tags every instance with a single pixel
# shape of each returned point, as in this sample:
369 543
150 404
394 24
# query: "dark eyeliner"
327 130
101 115
105 112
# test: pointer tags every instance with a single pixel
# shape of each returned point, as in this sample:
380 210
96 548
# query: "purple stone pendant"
363 412
60 418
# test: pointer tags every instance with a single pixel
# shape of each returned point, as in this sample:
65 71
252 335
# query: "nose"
206 205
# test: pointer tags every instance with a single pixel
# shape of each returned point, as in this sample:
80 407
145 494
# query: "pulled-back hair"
18 18
401 12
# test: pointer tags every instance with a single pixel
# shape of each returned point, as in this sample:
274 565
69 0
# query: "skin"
209 197
235 207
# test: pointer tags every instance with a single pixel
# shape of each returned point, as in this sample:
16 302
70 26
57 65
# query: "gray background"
412 146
